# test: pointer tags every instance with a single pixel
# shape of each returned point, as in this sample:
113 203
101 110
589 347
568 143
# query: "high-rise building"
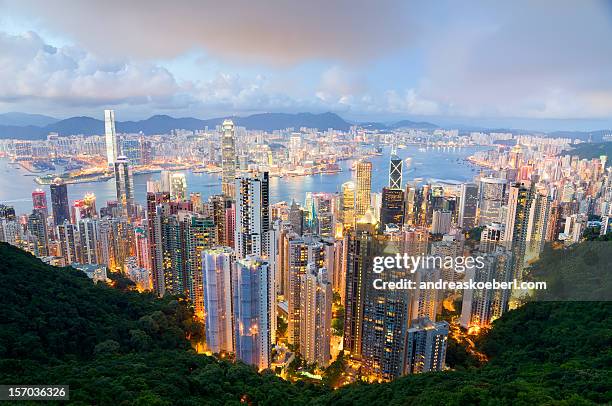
217 294
59 201
395 171
482 306
112 145
37 228
252 216
228 158
517 236
89 235
348 204
468 206
296 218
315 316
426 346
359 247
303 251
364 188
253 310
124 185
392 208
39 202
491 197
178 186
441 222
70 247
155 239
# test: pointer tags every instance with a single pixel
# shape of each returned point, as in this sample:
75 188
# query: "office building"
112 145
468 206
363 187
228 158
59 201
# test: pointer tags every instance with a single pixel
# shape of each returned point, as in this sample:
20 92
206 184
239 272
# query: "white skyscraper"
252 216
217 292
112 146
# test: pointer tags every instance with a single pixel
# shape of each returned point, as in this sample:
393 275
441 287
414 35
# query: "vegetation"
118 346
591 150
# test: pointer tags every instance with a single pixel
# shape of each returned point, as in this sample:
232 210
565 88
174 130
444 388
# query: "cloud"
32 69
270 31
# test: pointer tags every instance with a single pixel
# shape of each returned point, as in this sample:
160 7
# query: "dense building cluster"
248 264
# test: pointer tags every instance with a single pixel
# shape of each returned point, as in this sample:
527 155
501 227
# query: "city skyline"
454 74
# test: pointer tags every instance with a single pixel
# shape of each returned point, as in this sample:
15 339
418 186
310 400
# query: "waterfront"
435 164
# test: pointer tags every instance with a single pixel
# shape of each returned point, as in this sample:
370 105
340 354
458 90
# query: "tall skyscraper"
426 346
155 239
516 236
39 202
70 248
37 228
395 171
89 235
468 206
392 207
348 203
124 184
216 280
252 216
178 186
491 198
482 306
59 201
304 251
112 145
364 187
228 158
253 311
315 316
296 218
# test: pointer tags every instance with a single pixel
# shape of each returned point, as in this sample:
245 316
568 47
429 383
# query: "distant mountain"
423 125
162 124
25 119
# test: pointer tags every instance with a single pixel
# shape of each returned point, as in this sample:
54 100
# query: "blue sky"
541 65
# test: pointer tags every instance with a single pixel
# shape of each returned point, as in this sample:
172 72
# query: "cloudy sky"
530 64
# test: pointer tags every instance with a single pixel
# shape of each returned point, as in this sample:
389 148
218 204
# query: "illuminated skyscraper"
395 171
252 216
178 186
37 228
426 346
155 239
392 209
39 202
468 206
88 236
228 158
482 306
253 310
364 187
296 218
348 203
124 184
217 294
59 201
315 316
112 146
69 242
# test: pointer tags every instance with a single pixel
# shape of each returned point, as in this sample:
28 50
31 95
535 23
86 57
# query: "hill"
162 124
115 346
25 119
592 150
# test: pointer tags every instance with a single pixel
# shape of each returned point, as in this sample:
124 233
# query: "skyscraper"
39 202
124 184
89 235
426 346
315 315
69 242
59 201
482 306
395 171
228 158
392 209
37 228
468 206
491 198
112 146
216 281
253 311
178 186
516 235
348 203
364 187
252 216
155 239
